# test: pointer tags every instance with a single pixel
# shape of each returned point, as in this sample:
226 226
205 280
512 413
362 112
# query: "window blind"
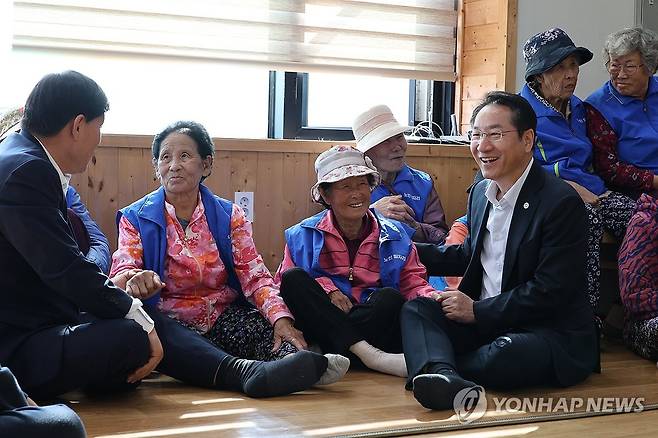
402 38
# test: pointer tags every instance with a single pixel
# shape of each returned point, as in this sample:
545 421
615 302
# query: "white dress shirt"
494 242
136 312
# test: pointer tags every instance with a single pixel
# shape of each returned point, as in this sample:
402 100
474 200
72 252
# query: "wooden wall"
486 52
279 172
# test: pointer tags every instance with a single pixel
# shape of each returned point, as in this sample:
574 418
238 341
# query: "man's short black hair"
523 116
60 97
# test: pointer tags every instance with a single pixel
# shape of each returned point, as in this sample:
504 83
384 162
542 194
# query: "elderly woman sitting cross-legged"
190 255
347 271
562 147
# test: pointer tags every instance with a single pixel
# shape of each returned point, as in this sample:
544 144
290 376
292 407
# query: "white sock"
337 366
378 360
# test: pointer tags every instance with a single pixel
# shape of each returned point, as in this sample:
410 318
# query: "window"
209 60
403 38
321 106
146 94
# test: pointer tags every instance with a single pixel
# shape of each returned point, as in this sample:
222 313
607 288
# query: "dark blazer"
543 285
45 281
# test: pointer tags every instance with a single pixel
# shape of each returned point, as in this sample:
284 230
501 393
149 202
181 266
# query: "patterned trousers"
244 332
612 214
642 337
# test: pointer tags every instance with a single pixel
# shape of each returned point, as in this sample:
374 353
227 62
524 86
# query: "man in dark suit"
45 281
520 316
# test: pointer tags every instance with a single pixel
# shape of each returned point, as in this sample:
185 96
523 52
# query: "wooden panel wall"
486 52
279 172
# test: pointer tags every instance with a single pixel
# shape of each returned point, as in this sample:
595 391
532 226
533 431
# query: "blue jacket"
147 215
414 186
635 121
563 147
305 242
99 247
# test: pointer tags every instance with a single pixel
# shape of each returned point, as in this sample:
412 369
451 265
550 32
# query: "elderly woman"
190 256
404 194
347 270
622 117
562 147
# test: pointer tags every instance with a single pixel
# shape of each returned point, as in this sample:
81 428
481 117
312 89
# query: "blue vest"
563 147
414 186
147 215
635 121
305 243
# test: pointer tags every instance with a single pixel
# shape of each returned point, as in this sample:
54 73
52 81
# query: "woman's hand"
340 300
121 279
144 285
587 196
285 331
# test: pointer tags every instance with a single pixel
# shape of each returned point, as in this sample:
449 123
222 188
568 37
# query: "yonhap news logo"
470 404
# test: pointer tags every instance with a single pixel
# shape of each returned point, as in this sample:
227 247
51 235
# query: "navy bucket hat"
547 49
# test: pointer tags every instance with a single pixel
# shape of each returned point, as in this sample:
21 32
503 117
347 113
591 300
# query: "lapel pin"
526 205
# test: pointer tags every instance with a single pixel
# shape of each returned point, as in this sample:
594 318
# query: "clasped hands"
138 283
456 305
394 207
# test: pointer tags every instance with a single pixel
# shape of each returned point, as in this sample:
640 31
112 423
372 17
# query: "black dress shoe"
438 391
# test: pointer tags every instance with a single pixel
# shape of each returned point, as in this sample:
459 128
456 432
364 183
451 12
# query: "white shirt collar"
64 178
512 194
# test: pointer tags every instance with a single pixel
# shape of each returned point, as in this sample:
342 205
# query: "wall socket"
246 201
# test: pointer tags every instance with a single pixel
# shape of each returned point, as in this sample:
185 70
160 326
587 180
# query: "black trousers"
17 419
97 355
376 321
498 361
188 356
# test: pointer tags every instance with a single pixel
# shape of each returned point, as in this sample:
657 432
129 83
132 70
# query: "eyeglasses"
494 136
628 68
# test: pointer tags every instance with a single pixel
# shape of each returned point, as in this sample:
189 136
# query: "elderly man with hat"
348 270
562 147
404 194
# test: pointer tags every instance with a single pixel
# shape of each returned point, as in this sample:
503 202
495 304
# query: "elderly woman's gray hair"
633 39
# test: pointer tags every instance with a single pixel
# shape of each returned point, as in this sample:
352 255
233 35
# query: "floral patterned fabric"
196 292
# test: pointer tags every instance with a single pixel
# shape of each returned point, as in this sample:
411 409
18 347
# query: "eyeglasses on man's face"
476 136
630 69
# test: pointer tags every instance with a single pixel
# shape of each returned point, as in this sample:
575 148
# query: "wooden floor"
363 404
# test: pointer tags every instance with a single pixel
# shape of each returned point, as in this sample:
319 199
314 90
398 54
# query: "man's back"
42 273
27 300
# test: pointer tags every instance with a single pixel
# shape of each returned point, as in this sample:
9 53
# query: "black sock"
295 372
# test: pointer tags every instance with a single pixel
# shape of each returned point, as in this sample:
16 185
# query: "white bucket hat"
342 162
375 126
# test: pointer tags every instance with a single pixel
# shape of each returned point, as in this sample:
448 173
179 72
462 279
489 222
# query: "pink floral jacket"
196 291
